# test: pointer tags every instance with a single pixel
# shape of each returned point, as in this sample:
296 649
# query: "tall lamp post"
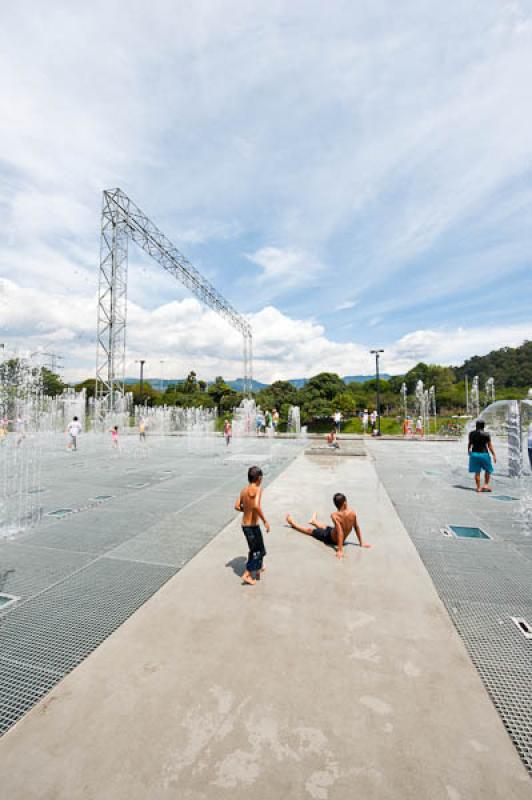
377 353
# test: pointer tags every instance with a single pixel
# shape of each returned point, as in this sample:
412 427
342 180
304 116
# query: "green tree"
190 385
218 389
89 384
52 383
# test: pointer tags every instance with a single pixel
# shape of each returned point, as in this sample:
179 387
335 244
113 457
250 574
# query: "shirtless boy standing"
249 502
344 521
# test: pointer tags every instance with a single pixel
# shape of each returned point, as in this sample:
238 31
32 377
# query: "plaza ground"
326 680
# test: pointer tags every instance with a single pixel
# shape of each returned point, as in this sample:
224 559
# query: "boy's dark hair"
479 425
116 427
339 499
75 419
254 474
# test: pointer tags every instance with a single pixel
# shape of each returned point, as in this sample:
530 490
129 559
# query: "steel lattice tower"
122 220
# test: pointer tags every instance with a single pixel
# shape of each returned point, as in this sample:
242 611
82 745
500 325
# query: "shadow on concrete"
238 565
465 488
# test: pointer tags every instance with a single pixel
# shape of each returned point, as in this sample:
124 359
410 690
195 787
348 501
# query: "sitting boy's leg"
314 521
297 527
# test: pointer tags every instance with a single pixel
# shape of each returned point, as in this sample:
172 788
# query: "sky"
348 174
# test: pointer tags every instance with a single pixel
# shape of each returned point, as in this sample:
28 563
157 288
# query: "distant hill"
364 378
238 384
509 366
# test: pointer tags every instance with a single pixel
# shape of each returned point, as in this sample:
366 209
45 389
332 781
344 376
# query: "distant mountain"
300 382
161 384
364 378
238 385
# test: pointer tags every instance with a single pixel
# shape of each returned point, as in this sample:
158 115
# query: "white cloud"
285 267
186 336
452 346
234 125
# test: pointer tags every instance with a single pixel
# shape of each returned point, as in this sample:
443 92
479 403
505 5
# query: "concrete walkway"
328 680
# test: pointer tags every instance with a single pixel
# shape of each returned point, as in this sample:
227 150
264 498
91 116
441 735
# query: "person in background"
73 430
228 432
365 421
142 430
114 437
479 448
529 443
419 427
337 418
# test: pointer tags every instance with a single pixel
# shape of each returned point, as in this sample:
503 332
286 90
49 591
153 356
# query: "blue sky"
348 174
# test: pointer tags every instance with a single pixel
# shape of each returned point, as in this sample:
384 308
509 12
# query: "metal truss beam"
123 220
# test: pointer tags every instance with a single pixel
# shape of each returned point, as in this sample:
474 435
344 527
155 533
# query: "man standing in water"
479 449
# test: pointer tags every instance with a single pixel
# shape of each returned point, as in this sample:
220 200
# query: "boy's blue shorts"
479 462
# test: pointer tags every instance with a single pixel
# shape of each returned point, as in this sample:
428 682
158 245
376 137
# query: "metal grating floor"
481 583
80 577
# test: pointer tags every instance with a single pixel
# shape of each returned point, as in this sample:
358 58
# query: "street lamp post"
377 353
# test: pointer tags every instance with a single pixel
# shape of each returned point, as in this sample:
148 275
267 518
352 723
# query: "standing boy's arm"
238 503
258 509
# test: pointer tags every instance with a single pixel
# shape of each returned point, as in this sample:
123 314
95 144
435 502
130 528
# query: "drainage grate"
101 498
7 600
505 498
36 491
466 532
43 639
60 512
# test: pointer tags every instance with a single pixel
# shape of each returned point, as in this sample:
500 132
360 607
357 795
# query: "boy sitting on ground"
249 502
344 521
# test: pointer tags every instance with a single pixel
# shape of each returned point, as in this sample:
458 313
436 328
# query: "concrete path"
328 680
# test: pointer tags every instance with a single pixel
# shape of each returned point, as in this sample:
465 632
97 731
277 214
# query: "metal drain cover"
523 625
467 532
7 600
60 512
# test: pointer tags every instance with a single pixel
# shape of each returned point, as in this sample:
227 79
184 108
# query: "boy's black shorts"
324 535
257 551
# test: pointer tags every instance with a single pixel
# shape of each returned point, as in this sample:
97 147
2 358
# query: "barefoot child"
114 437
249 502
344 521
228 432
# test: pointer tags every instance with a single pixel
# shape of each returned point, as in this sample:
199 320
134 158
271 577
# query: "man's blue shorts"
479 462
